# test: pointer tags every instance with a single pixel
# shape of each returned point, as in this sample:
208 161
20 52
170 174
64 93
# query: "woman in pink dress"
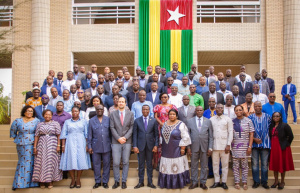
161 115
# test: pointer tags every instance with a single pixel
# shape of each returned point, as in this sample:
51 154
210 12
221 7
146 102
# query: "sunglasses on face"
45 98
80 92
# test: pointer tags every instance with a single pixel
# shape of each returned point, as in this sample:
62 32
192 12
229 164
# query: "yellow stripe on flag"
154 33
176 48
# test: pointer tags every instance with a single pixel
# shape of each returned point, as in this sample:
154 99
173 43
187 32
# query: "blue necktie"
59 83
145 123
88 82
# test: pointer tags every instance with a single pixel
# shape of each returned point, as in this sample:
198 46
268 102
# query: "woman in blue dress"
23 130
174 169
74 147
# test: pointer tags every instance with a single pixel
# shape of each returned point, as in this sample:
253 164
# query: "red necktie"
121 118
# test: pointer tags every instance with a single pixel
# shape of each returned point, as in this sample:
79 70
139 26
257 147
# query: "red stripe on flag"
185 7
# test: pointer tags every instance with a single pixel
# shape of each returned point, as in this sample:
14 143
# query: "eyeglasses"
59 75
164 97
45 98
80 92
272 96
88 74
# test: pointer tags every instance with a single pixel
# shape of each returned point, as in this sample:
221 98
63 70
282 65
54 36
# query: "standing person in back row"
121 126
175 68
288 93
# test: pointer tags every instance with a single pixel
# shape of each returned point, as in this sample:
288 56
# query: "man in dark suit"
135 79
52 74
29 93
109 84
186 111
121 126
161 78
39 109
60 76
46 89
86 83
145 142
133 95
270 81
175 68
244 87
153 96
99 144
237 99
201 132
100 93
160 88
212 93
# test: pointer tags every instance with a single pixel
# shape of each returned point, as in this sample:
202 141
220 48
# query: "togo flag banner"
166 34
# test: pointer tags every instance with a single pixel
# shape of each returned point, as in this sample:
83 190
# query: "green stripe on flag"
144 34
186 50
165 49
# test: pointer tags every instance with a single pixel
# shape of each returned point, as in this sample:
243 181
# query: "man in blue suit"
39 109
191 81
86 83
145 142
175 68
52 74
288 93
153 96
99 144
221 79
46 89
160 85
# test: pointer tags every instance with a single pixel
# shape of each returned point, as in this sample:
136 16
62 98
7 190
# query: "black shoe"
151 186
216 185
105 185
124 186
14 189
193 185
210 176
265 186
139 185
117 184
255 185
274 185
203 186
281 186
96 185
224 186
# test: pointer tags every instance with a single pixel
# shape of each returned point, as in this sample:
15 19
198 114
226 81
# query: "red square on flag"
176 14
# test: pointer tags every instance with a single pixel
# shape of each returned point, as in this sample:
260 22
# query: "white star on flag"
175 15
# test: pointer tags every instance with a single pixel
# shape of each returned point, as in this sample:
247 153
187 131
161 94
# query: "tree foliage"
4 106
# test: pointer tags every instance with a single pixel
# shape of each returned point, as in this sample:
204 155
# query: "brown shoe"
193 185
203 186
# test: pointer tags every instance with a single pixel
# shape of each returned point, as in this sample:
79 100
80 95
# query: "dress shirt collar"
154 92
146 117
45 106
76 120
50 85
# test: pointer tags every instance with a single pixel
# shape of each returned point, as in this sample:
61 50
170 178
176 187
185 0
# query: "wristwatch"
249 146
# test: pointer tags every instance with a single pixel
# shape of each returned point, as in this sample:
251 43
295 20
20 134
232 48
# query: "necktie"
44 107
59 83
199 124
243 85
121 117
88 82
73 97
145 123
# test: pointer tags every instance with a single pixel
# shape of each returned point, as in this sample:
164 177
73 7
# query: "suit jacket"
293 92
156 100
180 75
39 111
162 79
190 113
54 82
194 82
265 87
160 87
202 140
81 76
248 88
118 130
271 83
220 99
130 89
44 90
241 100
90 90
107 90
285 135
84 84
218 85
103 97
129 84
99 135
143 138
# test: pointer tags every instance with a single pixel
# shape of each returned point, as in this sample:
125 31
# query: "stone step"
296 136
7 143
132 181
89 189
5 137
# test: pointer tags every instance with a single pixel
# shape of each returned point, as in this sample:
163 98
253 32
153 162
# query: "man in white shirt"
174 76
67 84
55 97
223 90
73 92
223 135
184 88
94 72
127 82
257 96
93 89
229 108
174 97
248 77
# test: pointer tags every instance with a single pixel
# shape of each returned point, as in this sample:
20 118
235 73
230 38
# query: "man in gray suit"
264 86
121 126
186 111
201 132
77 74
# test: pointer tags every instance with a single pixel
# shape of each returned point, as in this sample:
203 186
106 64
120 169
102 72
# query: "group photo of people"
186 127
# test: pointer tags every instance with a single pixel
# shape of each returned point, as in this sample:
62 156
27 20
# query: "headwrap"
174 84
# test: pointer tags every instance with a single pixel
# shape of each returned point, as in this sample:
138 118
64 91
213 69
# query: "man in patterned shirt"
36 99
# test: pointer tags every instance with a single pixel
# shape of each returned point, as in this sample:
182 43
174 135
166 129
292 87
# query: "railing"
6 16
235 11
96 13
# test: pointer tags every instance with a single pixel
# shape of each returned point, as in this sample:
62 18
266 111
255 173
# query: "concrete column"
40 36
292 40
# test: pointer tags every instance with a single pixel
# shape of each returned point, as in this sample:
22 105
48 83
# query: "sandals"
78 185
50 186
72 186
237 186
